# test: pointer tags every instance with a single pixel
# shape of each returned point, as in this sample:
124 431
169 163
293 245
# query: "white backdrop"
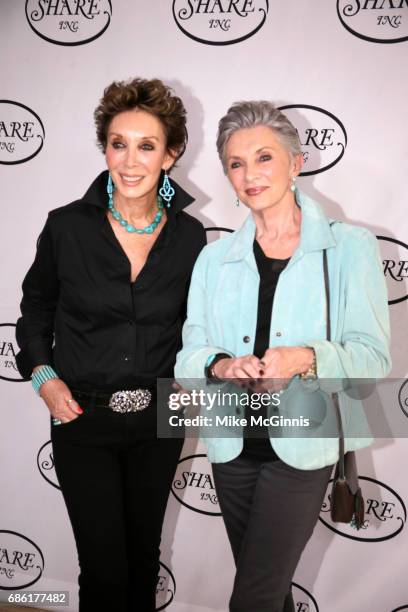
343 67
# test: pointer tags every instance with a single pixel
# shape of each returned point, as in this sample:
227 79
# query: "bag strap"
334 395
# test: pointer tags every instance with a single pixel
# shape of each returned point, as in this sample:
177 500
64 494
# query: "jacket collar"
96 194
315 232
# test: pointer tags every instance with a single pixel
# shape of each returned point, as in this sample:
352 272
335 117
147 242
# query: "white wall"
304 54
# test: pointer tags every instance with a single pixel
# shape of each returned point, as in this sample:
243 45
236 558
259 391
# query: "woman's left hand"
284 362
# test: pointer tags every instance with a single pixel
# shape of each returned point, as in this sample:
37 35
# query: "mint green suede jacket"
222 316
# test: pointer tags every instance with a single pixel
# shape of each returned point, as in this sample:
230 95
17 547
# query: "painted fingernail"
79 409
261 372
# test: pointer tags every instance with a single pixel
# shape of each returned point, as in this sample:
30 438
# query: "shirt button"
279 334
246 339
127 358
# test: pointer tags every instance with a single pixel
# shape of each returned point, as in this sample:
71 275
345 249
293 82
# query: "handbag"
346 500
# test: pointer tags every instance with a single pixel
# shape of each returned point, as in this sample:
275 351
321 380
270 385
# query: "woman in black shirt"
102 310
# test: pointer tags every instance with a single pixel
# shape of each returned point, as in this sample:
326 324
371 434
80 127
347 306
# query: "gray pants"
270 510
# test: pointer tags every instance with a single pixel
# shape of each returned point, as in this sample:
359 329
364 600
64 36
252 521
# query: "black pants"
115 477
270 510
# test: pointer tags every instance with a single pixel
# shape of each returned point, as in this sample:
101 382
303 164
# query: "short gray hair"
251 113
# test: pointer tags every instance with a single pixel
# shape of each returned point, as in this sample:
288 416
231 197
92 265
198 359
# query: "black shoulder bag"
346 503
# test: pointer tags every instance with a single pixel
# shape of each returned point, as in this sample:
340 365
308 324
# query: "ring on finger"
69 401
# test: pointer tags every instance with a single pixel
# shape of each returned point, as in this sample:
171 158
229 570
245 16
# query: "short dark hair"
152 96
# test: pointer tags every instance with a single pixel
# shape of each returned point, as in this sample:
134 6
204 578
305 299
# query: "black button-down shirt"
256 439
82 314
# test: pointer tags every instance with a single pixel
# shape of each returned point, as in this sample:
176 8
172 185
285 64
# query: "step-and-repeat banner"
339 68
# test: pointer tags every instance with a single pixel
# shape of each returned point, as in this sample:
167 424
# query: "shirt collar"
97 195
315 232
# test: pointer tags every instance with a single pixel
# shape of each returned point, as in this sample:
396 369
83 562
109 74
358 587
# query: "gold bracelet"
311 372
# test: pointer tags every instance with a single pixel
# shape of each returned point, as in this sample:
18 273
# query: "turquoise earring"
166 190
110 187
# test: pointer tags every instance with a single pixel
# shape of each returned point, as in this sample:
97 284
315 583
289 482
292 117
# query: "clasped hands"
270 373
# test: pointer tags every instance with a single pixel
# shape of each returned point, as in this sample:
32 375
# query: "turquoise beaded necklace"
128 226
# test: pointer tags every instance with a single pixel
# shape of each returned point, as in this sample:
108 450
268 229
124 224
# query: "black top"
256 440
109 333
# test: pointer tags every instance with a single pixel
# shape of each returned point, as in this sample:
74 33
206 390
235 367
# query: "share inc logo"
378 21
21 133
220 22
21 561
68 22
193 485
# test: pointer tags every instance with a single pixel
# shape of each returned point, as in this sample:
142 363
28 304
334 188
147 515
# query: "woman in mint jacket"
257 311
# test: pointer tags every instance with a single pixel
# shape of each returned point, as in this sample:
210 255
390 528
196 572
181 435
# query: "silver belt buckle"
130 401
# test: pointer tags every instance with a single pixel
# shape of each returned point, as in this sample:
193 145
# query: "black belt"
132 400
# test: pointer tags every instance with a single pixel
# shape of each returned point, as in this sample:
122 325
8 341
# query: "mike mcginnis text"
233 421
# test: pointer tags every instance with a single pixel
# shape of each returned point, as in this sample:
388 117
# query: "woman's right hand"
59 400
247 367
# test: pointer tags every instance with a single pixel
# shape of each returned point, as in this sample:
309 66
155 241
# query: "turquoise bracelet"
41 376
